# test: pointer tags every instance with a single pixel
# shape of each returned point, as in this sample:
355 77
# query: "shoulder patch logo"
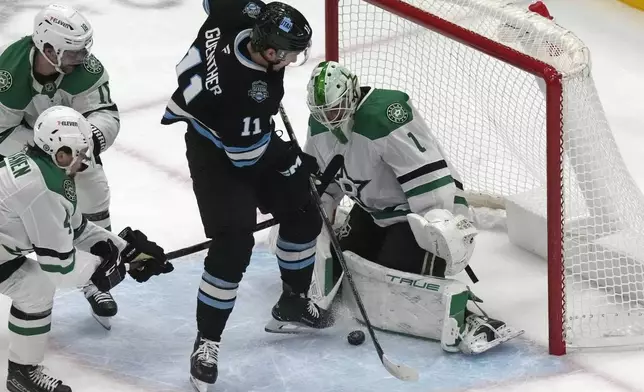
92 65
252 10
6 80
70 190
258 91
397 114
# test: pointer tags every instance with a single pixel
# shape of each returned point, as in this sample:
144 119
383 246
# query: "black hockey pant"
393 246
228 200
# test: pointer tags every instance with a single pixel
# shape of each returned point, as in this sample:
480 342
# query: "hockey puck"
356 338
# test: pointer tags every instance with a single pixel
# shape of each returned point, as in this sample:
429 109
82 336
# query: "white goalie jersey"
393 165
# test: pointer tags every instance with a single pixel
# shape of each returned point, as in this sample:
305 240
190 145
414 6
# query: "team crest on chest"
70 190
252 10
397 114
92 65
350 186
6 80
258 91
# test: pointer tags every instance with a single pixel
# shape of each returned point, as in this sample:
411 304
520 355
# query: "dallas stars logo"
70 190
397 114
6 80
349 186
92 65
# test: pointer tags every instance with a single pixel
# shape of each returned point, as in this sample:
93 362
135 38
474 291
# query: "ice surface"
151 340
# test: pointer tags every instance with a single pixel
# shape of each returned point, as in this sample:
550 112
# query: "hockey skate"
483 333
103 305
203 363
295 313
30 378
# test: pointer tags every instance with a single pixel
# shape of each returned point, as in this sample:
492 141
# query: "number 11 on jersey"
191 59
257 128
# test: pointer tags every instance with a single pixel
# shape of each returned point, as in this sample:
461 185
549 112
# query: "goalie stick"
402 371
325 179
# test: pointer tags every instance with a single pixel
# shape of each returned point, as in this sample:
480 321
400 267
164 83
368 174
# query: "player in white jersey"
410 225
53 66
38 213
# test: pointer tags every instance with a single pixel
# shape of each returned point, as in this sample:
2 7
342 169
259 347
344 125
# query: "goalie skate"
295 313
483 333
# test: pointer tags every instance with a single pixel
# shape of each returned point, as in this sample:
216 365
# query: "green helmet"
333 95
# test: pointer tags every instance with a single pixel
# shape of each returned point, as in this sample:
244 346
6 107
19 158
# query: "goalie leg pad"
410 304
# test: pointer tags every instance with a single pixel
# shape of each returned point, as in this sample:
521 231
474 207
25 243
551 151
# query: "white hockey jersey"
23 98
393 165
38 214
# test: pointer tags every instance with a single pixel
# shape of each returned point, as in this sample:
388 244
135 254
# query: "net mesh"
490 118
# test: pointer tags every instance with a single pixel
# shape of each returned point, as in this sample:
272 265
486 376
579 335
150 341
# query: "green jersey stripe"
419 190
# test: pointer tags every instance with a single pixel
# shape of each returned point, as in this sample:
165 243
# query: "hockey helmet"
67 31
282 28
63 127
333 95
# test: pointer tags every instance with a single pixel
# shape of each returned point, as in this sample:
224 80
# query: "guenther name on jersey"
212 78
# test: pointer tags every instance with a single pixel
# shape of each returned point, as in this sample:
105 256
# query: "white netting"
490 118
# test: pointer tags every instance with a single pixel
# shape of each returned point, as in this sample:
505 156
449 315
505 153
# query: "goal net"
510 96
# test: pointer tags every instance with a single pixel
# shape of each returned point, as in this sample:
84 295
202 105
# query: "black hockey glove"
297 163
145 257
111 271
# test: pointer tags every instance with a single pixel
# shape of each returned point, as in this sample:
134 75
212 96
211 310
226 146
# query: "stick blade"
401 372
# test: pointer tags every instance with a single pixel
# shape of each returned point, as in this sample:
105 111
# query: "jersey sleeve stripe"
460 200
421 171
81 228
52 253
430 186
59 269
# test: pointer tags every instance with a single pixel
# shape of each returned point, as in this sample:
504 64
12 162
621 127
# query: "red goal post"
511 99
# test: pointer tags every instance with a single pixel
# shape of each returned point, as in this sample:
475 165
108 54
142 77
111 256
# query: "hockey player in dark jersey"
230 87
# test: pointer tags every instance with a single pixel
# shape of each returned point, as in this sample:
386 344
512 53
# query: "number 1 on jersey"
246 131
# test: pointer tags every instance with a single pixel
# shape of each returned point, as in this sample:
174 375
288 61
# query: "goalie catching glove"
445 235
145 257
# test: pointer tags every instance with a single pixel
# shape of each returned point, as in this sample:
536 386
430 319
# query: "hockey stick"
325 179
402 371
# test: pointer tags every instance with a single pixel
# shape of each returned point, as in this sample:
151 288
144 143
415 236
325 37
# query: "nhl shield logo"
252 10
258 91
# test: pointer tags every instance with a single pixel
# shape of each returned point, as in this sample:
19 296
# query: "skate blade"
104 321
287 327
198 385
508 335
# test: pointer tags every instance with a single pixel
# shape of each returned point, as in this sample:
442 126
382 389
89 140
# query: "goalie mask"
333 94
60 127
69 34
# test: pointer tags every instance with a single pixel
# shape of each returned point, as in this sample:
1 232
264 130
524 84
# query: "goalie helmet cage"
510 97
